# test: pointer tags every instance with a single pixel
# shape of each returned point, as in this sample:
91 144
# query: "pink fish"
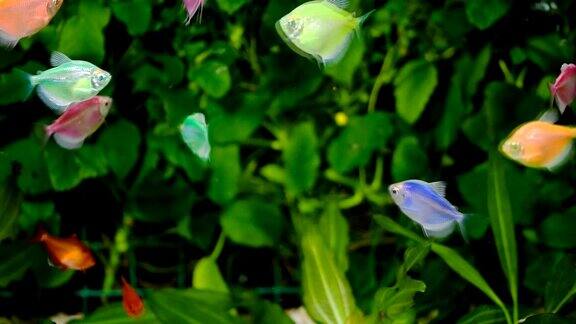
22 18
192 7
564 88
79 121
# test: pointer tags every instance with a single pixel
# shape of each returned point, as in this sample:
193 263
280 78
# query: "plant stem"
384 76
219 246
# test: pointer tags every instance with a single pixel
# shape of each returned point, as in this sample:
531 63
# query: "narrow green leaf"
301 158
388 224
115 314
561 286
484 315
10 202
207 276
413 87
414 255
15 259
334 229
547 319
327 294
502 223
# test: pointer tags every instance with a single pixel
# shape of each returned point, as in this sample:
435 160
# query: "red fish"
23 18
79 121
564 88
66 253
131 301
192 7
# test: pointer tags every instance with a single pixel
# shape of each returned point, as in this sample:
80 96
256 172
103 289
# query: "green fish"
320 29
68 82
194 132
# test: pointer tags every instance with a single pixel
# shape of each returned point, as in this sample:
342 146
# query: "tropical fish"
79 121
66 253
425 204
320 29
23 18
194 131
540 143
68 82
131 301
192 7
564 88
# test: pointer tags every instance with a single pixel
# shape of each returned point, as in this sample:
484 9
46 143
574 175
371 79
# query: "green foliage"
301 159
414 85
484 13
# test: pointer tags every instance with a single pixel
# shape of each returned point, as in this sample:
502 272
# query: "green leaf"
14 87
231 6
33 177
301 159
502 223
114 313
90 21
484 315
413 87
274 173
484 13
15 259
388 224
561 286
327 294
393 304
67 168
135 14
409 161
547 319
226 171
334 229
190 306
266 312
213 77
361 137
10 202
120 144
558 229
36 212
253 223
207 276
414 255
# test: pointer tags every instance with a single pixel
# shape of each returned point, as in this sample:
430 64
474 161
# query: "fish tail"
462 228
362 19
41 235
28 80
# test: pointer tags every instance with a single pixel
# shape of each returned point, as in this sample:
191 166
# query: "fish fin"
29 79
342 4
57 59
561 158
440 232
8 41
67 142
40 236
439 187
463 228
549 116
361 21
53 103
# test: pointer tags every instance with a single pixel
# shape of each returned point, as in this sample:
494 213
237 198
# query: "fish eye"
513 149
394 191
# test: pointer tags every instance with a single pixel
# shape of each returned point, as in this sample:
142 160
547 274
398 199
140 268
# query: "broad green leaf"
301 159
558 229
114 313
28 153
36 212
226 170
484 13
334 229
561 286
10 202
135 14
362 136
207 276
90 21
14 87
178 154
120 143
502 222
15 259
190 306
327 294
213 77
484 315
409 161
67 168
253 222
413 87
198 229
393 304
177 106
547 50
231 6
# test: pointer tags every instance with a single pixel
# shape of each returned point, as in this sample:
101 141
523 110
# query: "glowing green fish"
320 29
194 132
68 82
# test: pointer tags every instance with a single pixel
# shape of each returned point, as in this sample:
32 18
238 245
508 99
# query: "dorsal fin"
549 116
439 187
342 4
58 58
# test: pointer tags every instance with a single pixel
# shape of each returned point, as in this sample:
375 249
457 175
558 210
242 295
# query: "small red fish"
131 301
79 121
192 7
564 88
66 253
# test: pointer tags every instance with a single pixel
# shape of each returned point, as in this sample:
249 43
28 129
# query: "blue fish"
425 204
194 131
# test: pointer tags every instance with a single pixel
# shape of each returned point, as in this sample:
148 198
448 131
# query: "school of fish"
321 30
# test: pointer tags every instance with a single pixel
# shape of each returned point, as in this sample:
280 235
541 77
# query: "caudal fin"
463 228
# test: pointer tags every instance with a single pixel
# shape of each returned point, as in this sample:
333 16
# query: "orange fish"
66 253
540 143
131 301
23 18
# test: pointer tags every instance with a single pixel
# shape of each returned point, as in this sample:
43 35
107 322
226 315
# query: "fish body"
79 121
131 301
320 29
67 253
194 131
539 144
68 82
23 18
425 204
192 7
564 88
